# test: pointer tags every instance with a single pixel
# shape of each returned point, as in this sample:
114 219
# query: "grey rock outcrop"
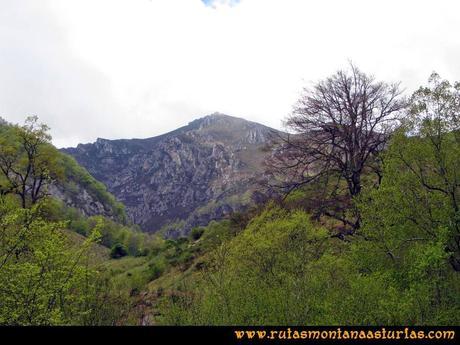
197 173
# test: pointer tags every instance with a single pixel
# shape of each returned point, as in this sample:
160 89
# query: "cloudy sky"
139 68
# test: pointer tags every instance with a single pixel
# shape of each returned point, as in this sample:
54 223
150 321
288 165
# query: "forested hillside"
58 225
358 222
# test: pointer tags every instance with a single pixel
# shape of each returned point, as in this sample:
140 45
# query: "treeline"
122 239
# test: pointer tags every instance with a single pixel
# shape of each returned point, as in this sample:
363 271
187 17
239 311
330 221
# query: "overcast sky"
139 68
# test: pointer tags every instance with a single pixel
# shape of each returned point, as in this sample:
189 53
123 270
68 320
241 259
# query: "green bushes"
117 251
156 268
135 242
283 269
45 280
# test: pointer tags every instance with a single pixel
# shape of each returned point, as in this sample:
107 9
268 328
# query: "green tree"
418 201
28 163
44 280
411 223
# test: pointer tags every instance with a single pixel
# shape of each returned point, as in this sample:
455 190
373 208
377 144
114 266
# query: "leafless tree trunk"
338 128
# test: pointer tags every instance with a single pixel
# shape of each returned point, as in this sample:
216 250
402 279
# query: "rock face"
190 176
85 203
83 200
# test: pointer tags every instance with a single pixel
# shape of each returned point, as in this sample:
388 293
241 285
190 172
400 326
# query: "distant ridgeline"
173 182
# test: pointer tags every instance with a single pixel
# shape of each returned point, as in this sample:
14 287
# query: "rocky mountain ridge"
183 178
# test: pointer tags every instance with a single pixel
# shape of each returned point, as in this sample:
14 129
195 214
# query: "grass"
98 254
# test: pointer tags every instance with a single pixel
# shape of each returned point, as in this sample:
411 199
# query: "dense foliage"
45 279
49 276
282 269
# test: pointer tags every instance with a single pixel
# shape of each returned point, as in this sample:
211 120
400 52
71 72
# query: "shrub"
118 251
156 269
196 233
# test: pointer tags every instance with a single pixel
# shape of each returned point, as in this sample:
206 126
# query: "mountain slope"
194 174
82 191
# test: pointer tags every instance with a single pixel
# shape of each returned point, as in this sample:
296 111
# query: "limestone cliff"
190 176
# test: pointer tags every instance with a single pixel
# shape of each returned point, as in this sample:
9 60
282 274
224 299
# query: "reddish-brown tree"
338 127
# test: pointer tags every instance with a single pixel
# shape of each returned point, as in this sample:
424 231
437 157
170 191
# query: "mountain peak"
217 114
214 118
194 174
230 130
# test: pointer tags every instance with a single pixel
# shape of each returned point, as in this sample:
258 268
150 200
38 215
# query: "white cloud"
218 3
138 68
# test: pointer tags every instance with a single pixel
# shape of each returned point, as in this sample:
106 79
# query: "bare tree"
339 127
